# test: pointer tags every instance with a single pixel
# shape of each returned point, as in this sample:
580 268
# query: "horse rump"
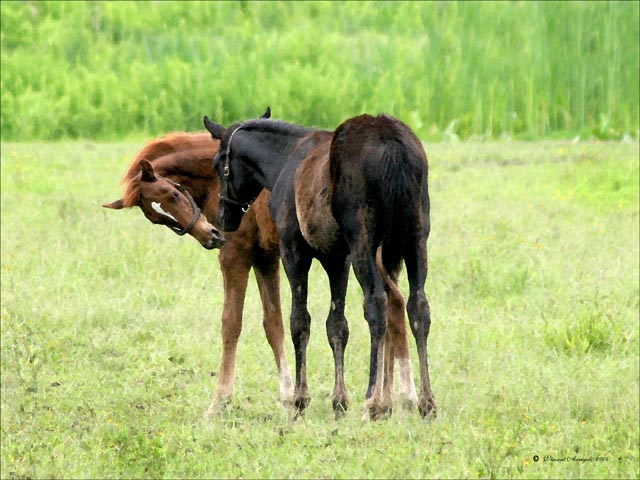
379 165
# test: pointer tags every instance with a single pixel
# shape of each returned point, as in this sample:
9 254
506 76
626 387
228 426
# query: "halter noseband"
196 210
227 188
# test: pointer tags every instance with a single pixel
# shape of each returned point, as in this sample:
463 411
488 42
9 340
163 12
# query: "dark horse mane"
267 125
166 148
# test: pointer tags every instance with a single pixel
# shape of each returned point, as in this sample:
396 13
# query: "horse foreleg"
235 274
268 278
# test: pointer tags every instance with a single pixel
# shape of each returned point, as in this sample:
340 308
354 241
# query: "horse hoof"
376 414
213 409
408 405
340 406
300 404
286 399
219 405
386 405
372 411
427 408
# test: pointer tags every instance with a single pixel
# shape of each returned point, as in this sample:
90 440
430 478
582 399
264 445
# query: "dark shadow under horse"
357 195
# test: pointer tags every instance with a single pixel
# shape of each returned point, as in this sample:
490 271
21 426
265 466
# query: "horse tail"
379 164
395 300
396 293
404 174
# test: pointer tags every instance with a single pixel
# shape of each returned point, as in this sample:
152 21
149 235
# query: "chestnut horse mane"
170 144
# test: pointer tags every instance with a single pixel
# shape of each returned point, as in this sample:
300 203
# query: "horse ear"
216 131
117 205
147 172
267 113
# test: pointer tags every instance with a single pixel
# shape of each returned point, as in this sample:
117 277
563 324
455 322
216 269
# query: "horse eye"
176 195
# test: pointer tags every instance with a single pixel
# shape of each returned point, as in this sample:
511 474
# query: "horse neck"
270 150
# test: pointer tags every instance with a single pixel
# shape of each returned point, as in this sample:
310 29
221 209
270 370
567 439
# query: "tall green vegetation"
524 69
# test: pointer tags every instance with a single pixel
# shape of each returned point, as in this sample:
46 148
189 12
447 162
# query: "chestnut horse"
170 180
358 195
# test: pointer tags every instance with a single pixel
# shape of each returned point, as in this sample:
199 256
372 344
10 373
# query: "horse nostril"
216 234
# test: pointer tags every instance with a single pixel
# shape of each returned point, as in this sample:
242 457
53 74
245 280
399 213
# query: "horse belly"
313 209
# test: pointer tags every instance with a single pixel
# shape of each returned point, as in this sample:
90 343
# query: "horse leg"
420 318
235 273
387 377
375 309
389 338
396 346
268 279
397 351
297 262
337 269
396 340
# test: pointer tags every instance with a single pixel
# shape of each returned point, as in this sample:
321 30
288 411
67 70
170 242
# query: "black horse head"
238 185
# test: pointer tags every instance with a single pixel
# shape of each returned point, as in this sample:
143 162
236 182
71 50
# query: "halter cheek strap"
196 210
227 188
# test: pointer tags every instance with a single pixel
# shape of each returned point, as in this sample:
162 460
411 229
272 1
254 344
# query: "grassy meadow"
479 70
110 330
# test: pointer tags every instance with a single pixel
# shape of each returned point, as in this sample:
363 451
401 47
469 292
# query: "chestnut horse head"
165 202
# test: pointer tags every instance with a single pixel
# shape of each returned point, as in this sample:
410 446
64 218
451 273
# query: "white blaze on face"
158 208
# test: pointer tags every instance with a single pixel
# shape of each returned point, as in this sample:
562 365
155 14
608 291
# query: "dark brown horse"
358 194
169 179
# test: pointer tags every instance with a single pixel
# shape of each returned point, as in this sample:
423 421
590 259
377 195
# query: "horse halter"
196 210
226 187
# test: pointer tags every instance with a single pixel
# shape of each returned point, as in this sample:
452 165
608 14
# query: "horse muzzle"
216 240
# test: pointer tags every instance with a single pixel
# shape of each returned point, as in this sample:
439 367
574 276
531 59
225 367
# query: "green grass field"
110 330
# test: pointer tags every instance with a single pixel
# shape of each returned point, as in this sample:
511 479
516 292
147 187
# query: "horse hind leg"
375 309
398 337
387 377
337 269
396 340
420 320
268 279
389 347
